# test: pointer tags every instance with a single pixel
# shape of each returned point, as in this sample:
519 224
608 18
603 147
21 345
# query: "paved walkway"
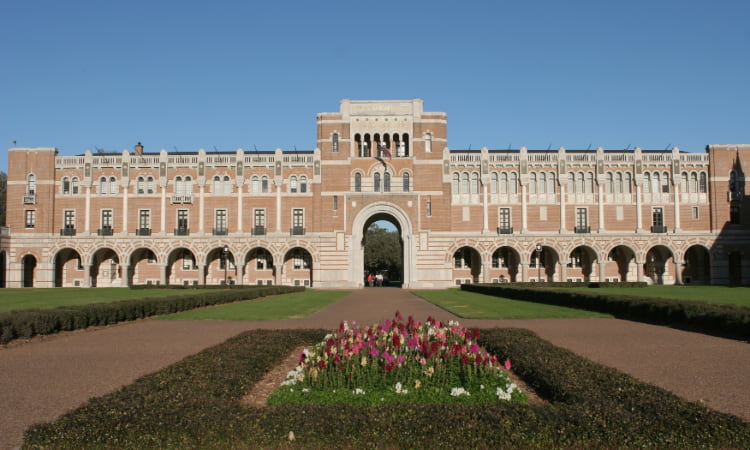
43 379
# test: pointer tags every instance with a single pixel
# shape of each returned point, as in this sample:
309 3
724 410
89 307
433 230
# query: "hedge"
730 321
27 323
195 403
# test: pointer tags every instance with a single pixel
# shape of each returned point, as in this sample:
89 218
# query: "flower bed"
398 361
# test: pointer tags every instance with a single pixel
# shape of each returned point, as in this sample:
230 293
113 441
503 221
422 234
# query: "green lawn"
471 305
289 306
711 294
15 299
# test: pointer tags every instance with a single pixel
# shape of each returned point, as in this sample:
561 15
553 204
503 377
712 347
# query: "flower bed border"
196 403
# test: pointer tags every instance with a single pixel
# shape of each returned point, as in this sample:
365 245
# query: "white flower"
305 390
458 391
400 389
358 391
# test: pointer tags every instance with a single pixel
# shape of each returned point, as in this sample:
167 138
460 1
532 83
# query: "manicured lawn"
471 305
711 294
16 299
289 306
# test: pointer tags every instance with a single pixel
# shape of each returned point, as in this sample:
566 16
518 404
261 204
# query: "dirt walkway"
43 379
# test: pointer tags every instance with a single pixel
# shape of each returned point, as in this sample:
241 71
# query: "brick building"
299 217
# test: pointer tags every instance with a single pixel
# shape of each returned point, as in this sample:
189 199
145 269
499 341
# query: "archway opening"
467 265
505 265
144 268
697 269
383 251
258 268
29 265
620 263
105 269
656 268
68 269
297 268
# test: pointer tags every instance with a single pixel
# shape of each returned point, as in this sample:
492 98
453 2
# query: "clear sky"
219 75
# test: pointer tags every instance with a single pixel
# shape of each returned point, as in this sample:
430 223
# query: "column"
485 273
163 215
239 208
201 206
677 272
602 271
278 184
638 211
563 275
639 271
87 275
677 208
601 207
562 207
524 272
201 274
87 214
125 268
163 274
524 226
485 222
124 210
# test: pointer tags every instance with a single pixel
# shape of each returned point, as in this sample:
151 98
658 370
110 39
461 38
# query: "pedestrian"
379 278
369 279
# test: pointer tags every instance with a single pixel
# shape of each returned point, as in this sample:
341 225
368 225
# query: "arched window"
665 182
475 183
293 183
732 181
684 182
405 182
387 182
179 188
504 183
227 185
217 185
140 185
335 142
571 183
609 185
618 183
551 183
646 183
74 185
494 183
693 182
303 183
357 182
655 183
66 185
150 185
264 184
255 184
703 186
513 183
103 185
532 183
542 183
376 182
31 184
188 185
428 142
112 185
589 183
358 143
465 183
580 189
456 183
405 140
628 183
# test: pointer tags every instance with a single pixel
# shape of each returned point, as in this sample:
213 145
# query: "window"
456 184
462 258
150 185
429 207
107 218
298 221
646 183
74 185
112 185
376 182
618 184
144 219
262 258
475 183
658 217
227 185
255 184
582 220
513 183
684 182
589 183
335 202
542 189
264 184
405 182
300 259
695 212
504 219
503 183
387 182
217 185
628 183
609 187
303 184
66 185
260 217
693 182
220 221
703 186
188 185
428 142
179 188
187 261
357 182
335 142
465 183
69 218
31 184
551 183
140 185
580 189
665 183
494 182
103 186
182 220
293 183
532 183
30 218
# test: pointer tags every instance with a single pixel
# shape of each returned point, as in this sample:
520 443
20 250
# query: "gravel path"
44 378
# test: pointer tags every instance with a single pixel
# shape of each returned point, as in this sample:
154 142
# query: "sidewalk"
43 379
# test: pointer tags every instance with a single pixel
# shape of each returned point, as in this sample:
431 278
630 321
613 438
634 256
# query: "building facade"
299 218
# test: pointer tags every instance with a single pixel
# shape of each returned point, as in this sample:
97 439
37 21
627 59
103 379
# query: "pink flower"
507 364
474 348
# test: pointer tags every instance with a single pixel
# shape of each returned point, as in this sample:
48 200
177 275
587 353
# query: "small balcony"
504 230
68 231
259 230
104 231
29 199
143 231
658 229
297 231
180 231
220 232
582 229
182 198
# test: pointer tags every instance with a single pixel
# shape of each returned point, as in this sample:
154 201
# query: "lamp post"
225 254
539 262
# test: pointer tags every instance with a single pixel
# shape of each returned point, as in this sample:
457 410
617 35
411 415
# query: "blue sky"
185 75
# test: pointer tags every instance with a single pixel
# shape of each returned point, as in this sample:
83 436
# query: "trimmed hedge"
195 403
582 284
31 322
730 321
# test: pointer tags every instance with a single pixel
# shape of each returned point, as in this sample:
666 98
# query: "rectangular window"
429 208
220 221
335 202
582 219
69 218
298 218
264 184
106 218
658 217
187 261
30 218
144 218
260 217
504 219
335 142
182 220
695 212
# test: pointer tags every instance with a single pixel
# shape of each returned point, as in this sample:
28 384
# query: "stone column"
524 272
87 275
602 270
639 271
202 274
677 272
524 223
125 268
638 209
163 274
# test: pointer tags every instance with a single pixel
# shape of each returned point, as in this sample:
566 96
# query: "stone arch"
143 266
620 260
220 267
297 267
258 266
581 263
696 268
467 265
546 268
655 269
181 267
105 268
372 213
28 271
68 268
505 264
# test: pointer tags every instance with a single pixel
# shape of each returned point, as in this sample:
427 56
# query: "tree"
383 252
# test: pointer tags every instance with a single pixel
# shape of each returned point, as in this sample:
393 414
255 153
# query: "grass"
290 306
739 296
17 299
470 305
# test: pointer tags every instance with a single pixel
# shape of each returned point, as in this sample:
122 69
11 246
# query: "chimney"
139 149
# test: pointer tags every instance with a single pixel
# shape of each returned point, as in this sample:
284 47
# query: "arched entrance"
369 215
697 269
68 268
383 253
